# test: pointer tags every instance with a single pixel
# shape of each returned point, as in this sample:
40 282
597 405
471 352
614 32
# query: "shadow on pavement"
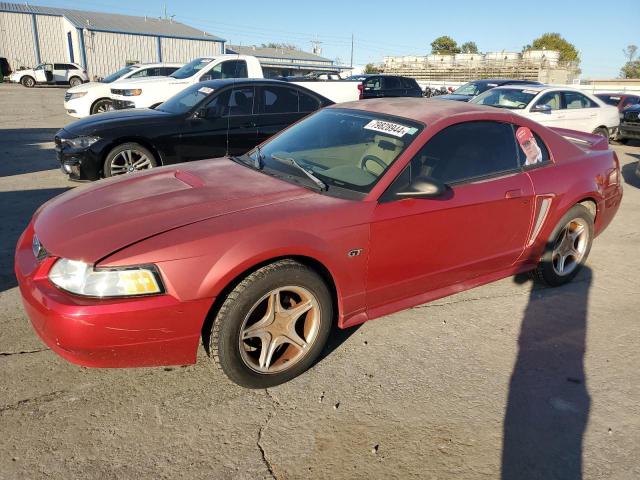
27 150
18 209
548 405
629 172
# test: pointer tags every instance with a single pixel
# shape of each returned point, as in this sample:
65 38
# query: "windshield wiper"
290 161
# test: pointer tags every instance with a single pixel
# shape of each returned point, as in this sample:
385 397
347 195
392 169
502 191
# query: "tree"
630 52
280 46
445 45
371 68
469 47
554 41
631 69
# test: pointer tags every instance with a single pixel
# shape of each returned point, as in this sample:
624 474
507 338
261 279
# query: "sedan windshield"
344 149
116 75
185 100
191 68
470 89
511 98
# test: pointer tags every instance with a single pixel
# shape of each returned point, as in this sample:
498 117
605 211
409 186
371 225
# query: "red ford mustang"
357 211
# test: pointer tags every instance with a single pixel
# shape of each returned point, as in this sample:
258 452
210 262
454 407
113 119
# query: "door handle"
513 193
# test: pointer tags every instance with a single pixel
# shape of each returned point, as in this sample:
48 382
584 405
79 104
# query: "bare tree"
630 52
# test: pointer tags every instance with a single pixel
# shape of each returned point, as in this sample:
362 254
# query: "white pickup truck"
146 93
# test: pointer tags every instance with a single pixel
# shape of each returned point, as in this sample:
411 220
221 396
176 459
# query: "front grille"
122 104
67 97
631 117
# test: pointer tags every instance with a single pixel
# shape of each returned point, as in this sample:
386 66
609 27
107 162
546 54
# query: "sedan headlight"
84 141
132 92
83 279
75 95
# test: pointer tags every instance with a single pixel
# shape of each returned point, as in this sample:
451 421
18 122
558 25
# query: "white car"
555 107
51 74
151 92
91 98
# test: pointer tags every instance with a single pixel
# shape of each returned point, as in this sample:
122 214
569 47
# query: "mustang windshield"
191 68
116 75
349 149
512 98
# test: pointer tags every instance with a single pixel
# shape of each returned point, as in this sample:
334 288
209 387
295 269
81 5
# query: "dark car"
209 119
378 86
629 124
5 70
620 100
469 90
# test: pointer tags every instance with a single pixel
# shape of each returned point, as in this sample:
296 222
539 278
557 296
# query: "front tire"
101 106
128 158
273 325
75 81
28 81
603 132
567 249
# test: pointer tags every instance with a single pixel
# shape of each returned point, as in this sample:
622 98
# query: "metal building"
100 42
284 62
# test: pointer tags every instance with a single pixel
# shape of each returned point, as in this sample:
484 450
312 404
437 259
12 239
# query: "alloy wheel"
129 161
279 329
570 247
103 106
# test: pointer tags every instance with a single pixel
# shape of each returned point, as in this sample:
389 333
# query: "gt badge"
355 252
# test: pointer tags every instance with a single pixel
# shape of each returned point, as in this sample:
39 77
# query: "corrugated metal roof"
112 22
275 53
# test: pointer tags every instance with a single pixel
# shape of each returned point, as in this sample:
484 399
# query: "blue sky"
599 31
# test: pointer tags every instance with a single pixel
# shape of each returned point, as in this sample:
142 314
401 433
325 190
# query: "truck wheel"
28 81
101 106
75 81
567 248
273 325
128 158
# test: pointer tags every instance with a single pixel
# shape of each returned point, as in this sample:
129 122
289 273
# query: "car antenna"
233 86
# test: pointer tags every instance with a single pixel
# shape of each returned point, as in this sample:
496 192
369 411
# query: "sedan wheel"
102 106
75 81
567 248
273 325
128 158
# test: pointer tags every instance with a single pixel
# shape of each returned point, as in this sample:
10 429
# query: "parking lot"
509 377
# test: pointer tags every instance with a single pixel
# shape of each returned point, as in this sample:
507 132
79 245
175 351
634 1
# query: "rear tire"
28 81
75 81
272 326
101 106
128 158
567 248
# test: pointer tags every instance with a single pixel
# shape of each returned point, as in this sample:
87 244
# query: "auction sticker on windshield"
390 128
205 90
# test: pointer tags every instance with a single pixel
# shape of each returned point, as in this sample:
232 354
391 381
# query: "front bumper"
134 332
79 164
123 104
629 130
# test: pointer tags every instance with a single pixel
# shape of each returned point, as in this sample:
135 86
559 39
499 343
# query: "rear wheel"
75 81
28 81
273 325
128 158
567 248
101 106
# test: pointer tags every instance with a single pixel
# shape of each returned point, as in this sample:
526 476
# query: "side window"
228 69
575 100
168 70
279 100
142 73
373 84
392 83
463 152
307 103
409 83
218 106
553 99
240 102
59 66
532 150
71 66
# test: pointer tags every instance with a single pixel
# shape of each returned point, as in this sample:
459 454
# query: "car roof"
539 88
425 110
217 84
157 64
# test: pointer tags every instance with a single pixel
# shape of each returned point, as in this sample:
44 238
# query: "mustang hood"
90 223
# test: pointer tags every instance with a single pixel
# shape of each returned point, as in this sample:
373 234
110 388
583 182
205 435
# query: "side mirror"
207 112
423 187
541 108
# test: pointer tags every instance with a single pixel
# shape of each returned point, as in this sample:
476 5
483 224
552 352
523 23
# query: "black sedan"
210 119
469 90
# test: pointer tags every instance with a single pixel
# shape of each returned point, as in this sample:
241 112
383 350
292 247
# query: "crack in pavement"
47 397
22 352
267 463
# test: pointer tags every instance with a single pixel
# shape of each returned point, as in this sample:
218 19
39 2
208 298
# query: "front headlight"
81 142
132 93
83 279
73 96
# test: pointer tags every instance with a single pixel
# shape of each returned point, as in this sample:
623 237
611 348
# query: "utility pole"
351 65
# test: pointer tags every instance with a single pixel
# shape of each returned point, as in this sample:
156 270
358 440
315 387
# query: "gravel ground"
506 380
